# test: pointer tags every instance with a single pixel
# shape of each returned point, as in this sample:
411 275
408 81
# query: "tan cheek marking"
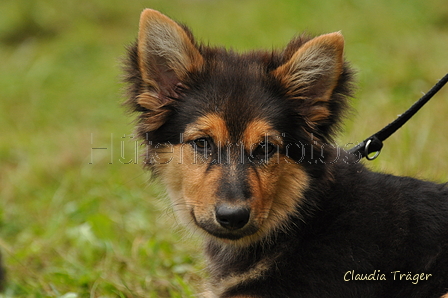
290 187
169 167
277 189
199 190
262 182
189 186
280 188
211 125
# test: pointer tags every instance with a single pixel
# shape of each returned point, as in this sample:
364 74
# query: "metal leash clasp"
366 151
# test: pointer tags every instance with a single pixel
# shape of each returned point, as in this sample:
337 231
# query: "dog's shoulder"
386 198
390 218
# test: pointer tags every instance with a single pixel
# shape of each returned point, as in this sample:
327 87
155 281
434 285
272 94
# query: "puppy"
244 145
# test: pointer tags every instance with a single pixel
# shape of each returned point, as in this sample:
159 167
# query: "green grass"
72 228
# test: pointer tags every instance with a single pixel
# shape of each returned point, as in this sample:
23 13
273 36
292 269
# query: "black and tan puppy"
243 144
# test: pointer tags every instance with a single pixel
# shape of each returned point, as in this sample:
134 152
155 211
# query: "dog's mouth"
228 222
222 233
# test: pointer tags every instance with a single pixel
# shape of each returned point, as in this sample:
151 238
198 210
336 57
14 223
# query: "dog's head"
237 139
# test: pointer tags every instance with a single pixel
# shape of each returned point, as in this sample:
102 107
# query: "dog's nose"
232 218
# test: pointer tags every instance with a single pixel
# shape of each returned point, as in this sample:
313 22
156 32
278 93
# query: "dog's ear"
166 53
311 76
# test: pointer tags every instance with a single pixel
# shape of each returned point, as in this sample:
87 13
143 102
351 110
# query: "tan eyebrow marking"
210 125
258 131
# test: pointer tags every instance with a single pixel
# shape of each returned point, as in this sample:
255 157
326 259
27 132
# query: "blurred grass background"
83 222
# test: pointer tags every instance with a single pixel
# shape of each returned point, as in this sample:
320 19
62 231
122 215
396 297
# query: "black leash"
374 143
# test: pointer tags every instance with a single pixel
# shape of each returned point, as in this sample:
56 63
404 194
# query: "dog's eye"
202 144
264 150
